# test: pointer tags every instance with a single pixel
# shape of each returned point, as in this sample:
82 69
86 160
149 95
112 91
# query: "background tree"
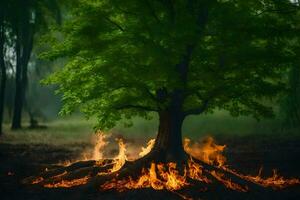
174 58
3 6
26 18
290 107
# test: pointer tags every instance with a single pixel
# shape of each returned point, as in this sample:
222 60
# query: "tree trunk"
168 143
17 113
3 75
24 43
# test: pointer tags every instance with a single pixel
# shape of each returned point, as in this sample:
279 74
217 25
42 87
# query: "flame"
146 150
59 182
99 141
275 181
173 180
168 176
207 151
99 146
37 180
196 172
228 183
68 183
121 158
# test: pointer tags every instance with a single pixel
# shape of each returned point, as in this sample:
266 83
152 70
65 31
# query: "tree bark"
168 142
3 75
24 43
17 112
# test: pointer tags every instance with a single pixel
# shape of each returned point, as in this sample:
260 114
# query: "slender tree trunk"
24 45
3 75
17 112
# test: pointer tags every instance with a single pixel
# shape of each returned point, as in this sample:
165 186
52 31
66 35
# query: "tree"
290 106
26 19
174 58
2 63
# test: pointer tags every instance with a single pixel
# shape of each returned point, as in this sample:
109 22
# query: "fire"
10 173
158 177
196 172
169 176
37 180
228 183
173 180
146 150
100 143
207 151
58 181
275 181
68 183
121 158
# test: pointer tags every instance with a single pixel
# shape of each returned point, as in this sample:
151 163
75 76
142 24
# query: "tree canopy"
129 58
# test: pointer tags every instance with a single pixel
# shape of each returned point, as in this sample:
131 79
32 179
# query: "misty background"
39 119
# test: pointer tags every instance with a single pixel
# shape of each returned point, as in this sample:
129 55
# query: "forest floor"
244 153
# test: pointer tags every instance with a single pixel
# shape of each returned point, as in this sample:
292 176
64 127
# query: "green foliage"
125 56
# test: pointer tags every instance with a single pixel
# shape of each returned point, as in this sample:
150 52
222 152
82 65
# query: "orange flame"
228 183
275 181
146 150
168 176
207 151
196 172
121 158
68 183
100 143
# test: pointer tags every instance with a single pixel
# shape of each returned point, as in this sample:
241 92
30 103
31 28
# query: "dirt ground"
246 154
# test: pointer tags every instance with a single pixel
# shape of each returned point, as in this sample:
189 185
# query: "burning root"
204 166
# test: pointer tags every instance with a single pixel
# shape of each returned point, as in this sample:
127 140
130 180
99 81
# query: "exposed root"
144 173
157 170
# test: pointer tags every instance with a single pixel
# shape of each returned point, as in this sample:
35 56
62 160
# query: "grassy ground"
75 129
250 145
67 130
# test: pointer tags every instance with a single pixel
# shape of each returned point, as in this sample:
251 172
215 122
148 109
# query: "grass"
75 129
66 130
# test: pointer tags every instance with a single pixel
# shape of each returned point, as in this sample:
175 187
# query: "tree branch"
152 11
198 110
140 87
204 106
114 23
138 107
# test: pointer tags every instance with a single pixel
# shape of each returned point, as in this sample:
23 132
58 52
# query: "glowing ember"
275 181
68 183
146 150
10 173
37 180
228 183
